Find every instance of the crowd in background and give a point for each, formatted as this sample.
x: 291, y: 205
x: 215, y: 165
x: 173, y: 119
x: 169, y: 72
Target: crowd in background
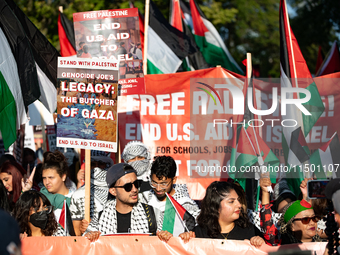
x: 131, y: 197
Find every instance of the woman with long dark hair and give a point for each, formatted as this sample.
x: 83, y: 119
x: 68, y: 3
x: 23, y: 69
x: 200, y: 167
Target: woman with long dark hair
x: 223, y: 216
x: 33, y: 211
x: 10, y: 174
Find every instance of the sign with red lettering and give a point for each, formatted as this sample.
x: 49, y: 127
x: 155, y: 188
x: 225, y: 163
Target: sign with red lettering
x: 113, y: 34
x: 87, y: 104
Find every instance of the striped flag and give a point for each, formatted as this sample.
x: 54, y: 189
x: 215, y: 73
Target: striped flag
x: 167, y: 46
x: 176, y: 220
x: 331, y: 63
x: 325, y: 160
x: 45, y: 58
x: 62, y: 217
x: 12, y: 108
x: 193, y: 61
x: 21, y: 50
x: 65, y: 220
x: 66, y: 36
x: 208, y: 39
x: 295, y: 74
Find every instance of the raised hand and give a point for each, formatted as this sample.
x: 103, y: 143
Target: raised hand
x: 27, y: 183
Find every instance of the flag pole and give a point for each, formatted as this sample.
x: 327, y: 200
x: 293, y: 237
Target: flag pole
x: 146, y: 28
x: 87, y: 183
x: 248, y: 77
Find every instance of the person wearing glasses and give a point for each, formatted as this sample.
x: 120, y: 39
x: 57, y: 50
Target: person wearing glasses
x: 298, y: 223
x: 163, y: 180
x: 123, y: 213
x: 33, y: 212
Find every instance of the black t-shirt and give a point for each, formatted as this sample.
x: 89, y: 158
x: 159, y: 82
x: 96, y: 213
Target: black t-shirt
x: 237, y: 233
x: 123, y: 222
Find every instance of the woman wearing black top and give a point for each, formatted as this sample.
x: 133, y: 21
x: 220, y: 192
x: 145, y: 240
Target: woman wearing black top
x: 224, y: 215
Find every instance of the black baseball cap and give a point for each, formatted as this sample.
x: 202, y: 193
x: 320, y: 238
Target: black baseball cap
x: 115, y: 172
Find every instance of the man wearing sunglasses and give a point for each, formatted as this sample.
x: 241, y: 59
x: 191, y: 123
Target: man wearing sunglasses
x: 123, y: 213
x: 163, y: 180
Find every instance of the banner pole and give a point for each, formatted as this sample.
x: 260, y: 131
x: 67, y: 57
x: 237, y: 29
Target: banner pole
x: 118, y: 156
x: 146, y: 28
x: 87, y: 183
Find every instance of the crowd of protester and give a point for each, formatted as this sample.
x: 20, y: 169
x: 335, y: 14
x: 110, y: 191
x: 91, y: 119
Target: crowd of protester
x: 130, y: 197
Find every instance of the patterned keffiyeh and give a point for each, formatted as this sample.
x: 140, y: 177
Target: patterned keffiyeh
x: 99, y: 194
x: 107, y: 224
x: 134, y: 149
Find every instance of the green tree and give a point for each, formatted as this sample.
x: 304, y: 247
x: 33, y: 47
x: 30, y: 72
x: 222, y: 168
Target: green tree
x: 315, y: 24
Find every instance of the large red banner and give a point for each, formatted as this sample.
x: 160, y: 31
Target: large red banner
x: 164, y: 119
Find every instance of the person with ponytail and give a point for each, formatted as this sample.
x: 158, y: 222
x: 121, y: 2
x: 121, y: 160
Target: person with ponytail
x: 54, y: 174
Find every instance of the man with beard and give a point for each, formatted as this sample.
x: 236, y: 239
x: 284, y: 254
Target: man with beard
x: 163, y: 180
x: 100, y: 162
x: 123, y: 213
x: 137, y: 155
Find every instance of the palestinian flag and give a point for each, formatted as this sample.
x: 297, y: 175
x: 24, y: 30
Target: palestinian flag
x: 21, y: 50
x: 65, y: 220
x: 295, y: 74
x: 45, y: 57
x: 326, y: 160
x: 66, y: 36
x: 251, y: 149
x: 208, y: 39
x: 176, y: 219
x: 319, y: 59
x: 196, y: 60
x: 331, y: 64
x: 167, y: 46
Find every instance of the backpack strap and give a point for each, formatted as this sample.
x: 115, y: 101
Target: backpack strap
x: 150, y: 214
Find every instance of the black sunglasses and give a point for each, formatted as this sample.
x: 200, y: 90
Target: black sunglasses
x: 128, y: 186
x: 306, y: 220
